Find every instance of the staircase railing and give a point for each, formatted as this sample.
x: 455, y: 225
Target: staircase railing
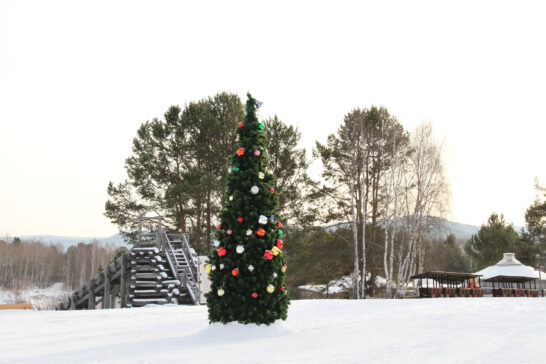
x: 186, y: 274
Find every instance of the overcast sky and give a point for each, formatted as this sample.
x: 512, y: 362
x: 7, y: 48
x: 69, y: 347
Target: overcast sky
x: 78, y: 78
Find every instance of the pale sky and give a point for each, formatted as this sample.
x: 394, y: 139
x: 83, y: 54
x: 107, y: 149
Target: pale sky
x: 78, y: 78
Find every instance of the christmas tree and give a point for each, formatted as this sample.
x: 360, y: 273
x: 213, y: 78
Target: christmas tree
x: 247, y: 266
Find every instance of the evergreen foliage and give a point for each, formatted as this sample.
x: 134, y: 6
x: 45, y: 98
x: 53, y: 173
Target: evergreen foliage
x: 488, y: 245
x: 247, y: 267
x: 317, y: 256
x: 289, y: 165
x: 533, y: 236
x: 176, y: 171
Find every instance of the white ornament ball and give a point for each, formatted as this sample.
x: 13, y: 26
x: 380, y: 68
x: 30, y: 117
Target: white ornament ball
x: 251, y: 267
x: 262, y: 220
x: 221, y: 266
x: 261, y: 175
x: 216, y: 243
x: 274, y: 275
x: 221, y: 292
x: 240, y: 249
x: 254, y: 190
x: 231, y: 198
x: 248, y: 232
x: 213, y: 267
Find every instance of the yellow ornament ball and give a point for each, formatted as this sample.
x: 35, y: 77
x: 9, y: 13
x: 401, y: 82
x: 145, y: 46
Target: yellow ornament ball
x: 208, y: 268
x: 275, y: 251
x: 270, y: 288
x: 221, y: 292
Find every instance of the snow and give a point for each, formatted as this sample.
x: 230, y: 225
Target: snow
x: 456, y: 330
x: 344, y: 284
x: 40, y: 298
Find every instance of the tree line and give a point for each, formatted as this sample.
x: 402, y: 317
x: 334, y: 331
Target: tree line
x: 497, y: 237
x: 26, y: 264
x: 178, y: 168
x: 381, y: 179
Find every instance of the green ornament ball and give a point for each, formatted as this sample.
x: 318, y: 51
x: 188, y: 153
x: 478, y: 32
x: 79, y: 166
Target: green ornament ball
x: 261, y: 126
x: 235, y: 169
x: 279, y: 232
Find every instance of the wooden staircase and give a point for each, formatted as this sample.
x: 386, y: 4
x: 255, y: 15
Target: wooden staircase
x: 165, y: 273
x: 160, y: 269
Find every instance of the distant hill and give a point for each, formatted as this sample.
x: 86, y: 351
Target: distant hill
x: 68, y: 241
x: 442, y: 228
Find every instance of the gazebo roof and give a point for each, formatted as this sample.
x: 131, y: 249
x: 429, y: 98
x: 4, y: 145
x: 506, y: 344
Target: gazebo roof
x: 509, y: 279
x: 509, y: 266
x: 443, y: 277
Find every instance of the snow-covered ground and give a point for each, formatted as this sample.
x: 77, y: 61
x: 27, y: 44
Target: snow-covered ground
x: 41, y: 298
x: 456, y: 330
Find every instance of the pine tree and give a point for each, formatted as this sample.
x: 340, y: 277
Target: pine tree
x: 247, y: 265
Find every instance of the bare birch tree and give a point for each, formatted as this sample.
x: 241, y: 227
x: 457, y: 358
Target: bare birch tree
x: 425, y: 192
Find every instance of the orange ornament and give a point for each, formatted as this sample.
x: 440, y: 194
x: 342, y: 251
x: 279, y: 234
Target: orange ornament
x: 240, y: 151
x: 235, y: 272
x: 260, y: 232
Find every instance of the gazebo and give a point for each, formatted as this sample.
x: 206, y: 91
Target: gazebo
x: 504, y: 286
x: 510, y: 274
x: 448, y: 284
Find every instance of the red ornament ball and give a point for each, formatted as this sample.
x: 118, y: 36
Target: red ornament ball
x: 235, y: 272
x: 268, y: 254
x: 221, y: 252
x: 279, y: 244
x: 271, y: 190
x: 279, y: 224
x: 282, y: 288
x: 260, y: 232
x: 240, y: 220
x: 254, y: 295
x: 218, y: 227
x: 241, y: 124
x: 241, y: 151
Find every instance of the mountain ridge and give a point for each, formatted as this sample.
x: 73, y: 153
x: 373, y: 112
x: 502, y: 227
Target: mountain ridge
x: 445, y: 227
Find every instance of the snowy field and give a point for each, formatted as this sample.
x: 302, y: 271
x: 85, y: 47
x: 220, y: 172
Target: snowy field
x: 40, y: 298
x: 457, y: 330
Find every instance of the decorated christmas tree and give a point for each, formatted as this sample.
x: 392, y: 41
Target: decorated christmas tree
x: 247, y: 266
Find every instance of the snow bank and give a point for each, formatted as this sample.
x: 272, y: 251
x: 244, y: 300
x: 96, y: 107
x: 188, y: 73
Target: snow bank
x: 456, y: 330
x: 40, y: 298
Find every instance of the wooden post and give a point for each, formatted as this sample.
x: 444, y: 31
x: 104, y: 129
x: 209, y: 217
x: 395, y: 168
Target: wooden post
x: 184, y: 278
x: 91, y: 296
x: 73, y: 302
x: 123, y: 280
x: 106, y: 296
